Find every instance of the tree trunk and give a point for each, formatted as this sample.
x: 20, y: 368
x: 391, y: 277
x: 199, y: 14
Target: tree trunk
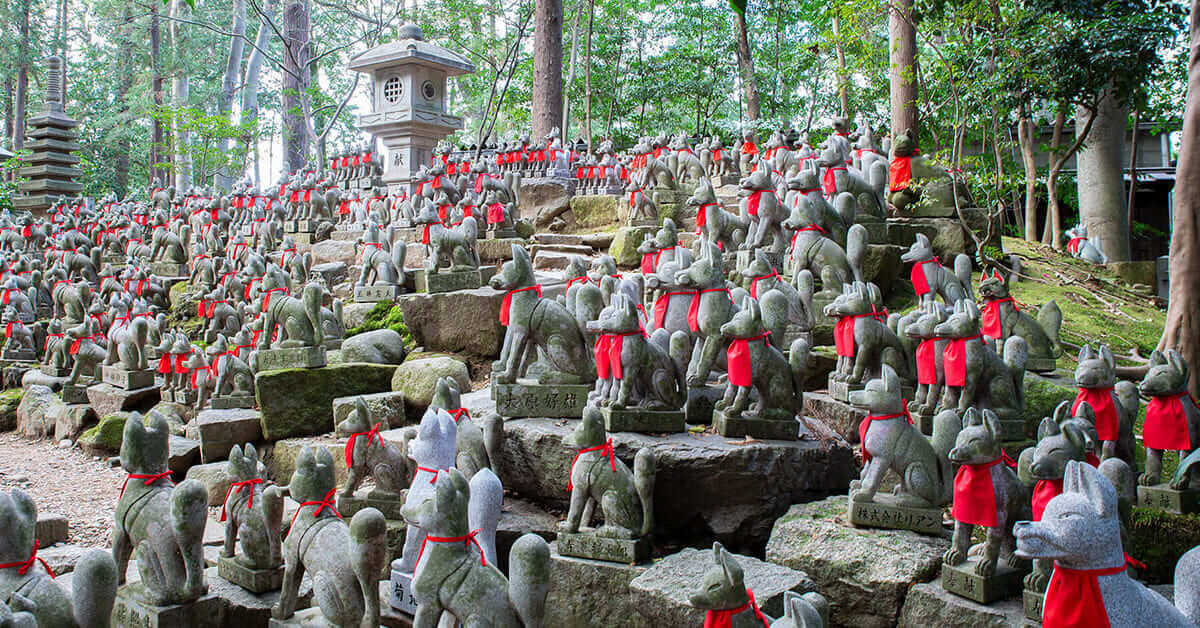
x: 158, y: 139
x: 297, y: 52
x: 566, y: 119
x: 1026, y: 132
x: 547, y: 103
x: 843, y: 76
x: 1182, y: 329
x: 1053, y: 224
x: 125, y: 55
x: 182, y: 93
x: 229, y: 84
x: 22, y: 98
x: 8, y: 108
x: 1101, y: 186
x: 587, y: 76
x: 1133, y: 157
x: 253, y: 76
x: 902, y: 38
x: 746, y: 66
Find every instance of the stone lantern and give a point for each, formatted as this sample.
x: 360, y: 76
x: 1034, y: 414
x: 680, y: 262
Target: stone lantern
x: 408, y: 112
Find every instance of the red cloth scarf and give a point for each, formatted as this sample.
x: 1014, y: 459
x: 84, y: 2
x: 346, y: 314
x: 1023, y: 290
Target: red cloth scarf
x: 504, y: 305
x: 724, y: 618
x: 865, y: 425
x: 843, y: 332
x: 694, y: 310
x: 466, y: 540
x: 990, y: 323
x: 1074, y: 243
x: 975, y: 495
x: 1100, y: 399
x: 749, y: 148
x: 702, y: 215
x: 927, y: 361
x: 607, y: 352
x: 371, y: 433
x: 919, y: 281
x: 150, y: 478
x: 754, y: 282
x: 1043, y: 492
x: 1073, y: 599
x: 24, y: 565
x: 425, y: 234
x: 752, y: 205
x: 954, y: 360
x: 741, y: 371
x: 1166, y: 423
x: 899, y: 174
x: 495, y: 213
x: 267, y: 297
x: 829, y: 180
x: 606, y: 451
x: 75, y: 346
x: 237, y: 487
x: 663, y: 302
x: 8, y: 331
x: 326, y: 502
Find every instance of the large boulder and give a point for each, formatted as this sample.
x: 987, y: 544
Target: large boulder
x: 1044, y: 393
x: 334, y: 251
x: 592, y: 594
x: 280, y: 458
x: 417, y: 380
x: 385, y: 407
x: 624, y: 245
x: 709, y: 487
x: 355, y: 314
x: 598, y: 211
x: 105, y: 438
x: 661, y: 592
x: 299, y: 402
x: 864, y: 573
x: 463, y: 321
x: 10, y: 400
x: 32, y: 421
x: 496, y: 250
x: 182, y: 453
x: 928, y: 605
x: 219, y: 430
x: 332, y: 272
x: 71, y: 420
x: 946, y: 236
x: 544, y: 199
x: 382, y: 346
x: 215, y: 478
x: 107, y: 399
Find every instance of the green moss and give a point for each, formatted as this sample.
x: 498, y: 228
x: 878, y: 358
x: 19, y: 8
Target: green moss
x: 593, y: 212
x: 9, y: 400
x: 1159, y: 538
x: 107, y: 435
x: 1043, y: 395
x: 299, y: 402
x: 385, y: 315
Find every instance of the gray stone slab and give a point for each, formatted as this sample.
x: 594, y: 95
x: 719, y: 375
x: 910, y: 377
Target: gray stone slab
x: 74, y: 393
x: 293, y: 358
x: 592, y: 594
x: 363, y: 498
x: 252, y: 580
x: 445, y: 281
x: 167, y: 269
x: 127, y: 380
x: 645, y: 421
x: 51, y: 528
x: 587, y: 544
x: 130, y: 612
x: 842, y: 417
x: 384, y: 407
x: 963, y: 581
x: 885, y: 513
x: 540, y: 400
x: 769, y: 429
x: 107, y: 399
x: 930, y: 606
x: 231, y: 402
x: 1163, y: 497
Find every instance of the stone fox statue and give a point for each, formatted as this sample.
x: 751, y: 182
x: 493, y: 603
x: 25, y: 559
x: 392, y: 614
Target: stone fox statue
x: 300, y: 317
x: 538, y: 329
x: 1002, y: 319
x: 639, y: 372
x: 727, y: 230
x: 164, y: 524
x: 254, y: 514
x: 599, y: 478
x: 724, y: 595
x: 28, y: 585
x: 1081, y: 531
x: 778, y: 381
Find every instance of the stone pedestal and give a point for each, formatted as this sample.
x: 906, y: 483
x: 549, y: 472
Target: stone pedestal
x: 375, y: 294
x: 529, y: 399
x: 885, y: 513
x: 745, y: 258
x: 445, y: 281
x: 500, y: 234
x: 400, y: 594
x: 840, y: 390
x: 231, y: 402
x: 1033, y: 602
x: 305, y: 618
x: 185, y: 396
x: 253, y: 580
x: 168, y: 269
x: 291, y: 358
x: 924, y: 423
x: 130, y: 612
x: 593, y: 594
x: 1163, y: 497
x: 749, y: 425
x: 645, y: 421
x: 1041, y: 365
x: 74, y: 393
x: 390, y: 507
x: 963, y: 581
x: 587, y: 544
x: 55, y: 372
x: 127, y: 380
x: 19, y: 355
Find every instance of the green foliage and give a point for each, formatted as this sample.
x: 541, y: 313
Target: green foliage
x: 210, y: 134
x: 8, y: 187
x: 385, y: 315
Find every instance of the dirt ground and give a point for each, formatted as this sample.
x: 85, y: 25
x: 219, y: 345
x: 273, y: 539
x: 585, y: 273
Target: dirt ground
x: 66, y: 482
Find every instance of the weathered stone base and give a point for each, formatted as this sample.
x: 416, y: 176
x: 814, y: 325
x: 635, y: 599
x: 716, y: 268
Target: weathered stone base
x: 19, y: 355
x: 587, y: 544
x: 229, y: 402
x: 305, y: 238
x: 592, y: 594
x: 184, y: 396
x: 929, y: 605
x: 307, y: 618
x: 644, y: 421
x: 445, y: 281
x: 400, y: 593
x: 375, y: 294
x: 74, y: 393
x: 963, y: 581
x: 1163, y: 497
x: 55, y: 372
x: 924, y: 423
x: 840, y: 416
x: 885, y: 513
x: 130, y: 612
x: 347, y: 506
x: 840, y: 391
x: 737, y: 427
x: 1041, y: 365
x: 253, y: 580
x: 1033, y: 602
x: 540, y: 400
x: 293, y: 358
x: 127, y: 380
x: 500, y: 234
x: 167, y: 269
x: 745, y: 258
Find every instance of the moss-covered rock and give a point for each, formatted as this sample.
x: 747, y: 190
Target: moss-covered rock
x: 596, y: 211
x: 9, y: 400
x: 1043, y: 394
x: 382, y: 346
x: 105, y: 437
x: 299, y: 402
x: 462, y: 321
x: 624, y: 245
x: 418, y: 378
x: 385, y: 315
x: 1159, y: 538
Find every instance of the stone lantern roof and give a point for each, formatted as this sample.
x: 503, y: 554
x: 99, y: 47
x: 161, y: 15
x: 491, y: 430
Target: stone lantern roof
x: 411, y: 49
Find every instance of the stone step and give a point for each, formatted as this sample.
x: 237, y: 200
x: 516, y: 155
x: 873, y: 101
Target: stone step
x: 572, y: 249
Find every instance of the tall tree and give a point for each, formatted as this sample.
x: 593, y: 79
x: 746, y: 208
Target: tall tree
x: 547, y: 103
x: 1101, y: 185
x: 253, y: 76
x: 1182, y: 329
x: 297, y: 53
x: 233, y: 75
x: 158, y: 141
x: 902, y: 35
x: 180, y: 10
x: 745, y: 60
x: 21, y: 104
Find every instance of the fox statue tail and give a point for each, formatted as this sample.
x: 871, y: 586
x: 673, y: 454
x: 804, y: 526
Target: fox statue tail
x: 93, y: 604
x: 1050, y: 318
x: 798, y: 363
x: 368, y: 532
x: 470, y: 230
x: 483, y: 510
x: 946, y: 426
x: 311, y: 298
x: 1016, y: 354
x: 529, y: 579
x: 962, y: 271
x: 856, y: 249
x: 643, y: 482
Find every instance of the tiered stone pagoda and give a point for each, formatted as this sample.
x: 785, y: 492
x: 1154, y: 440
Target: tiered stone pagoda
x: 409, y: 109
x: 52, y: 172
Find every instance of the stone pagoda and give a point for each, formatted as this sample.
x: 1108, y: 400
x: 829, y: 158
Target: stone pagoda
x: 52, y: 172
x: 409, y: 108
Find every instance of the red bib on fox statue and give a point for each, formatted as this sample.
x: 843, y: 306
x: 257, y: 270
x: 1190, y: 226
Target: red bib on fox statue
x: 927, y: 362
x: 954, y: 360
x: 741, y: 371
x: 1073, y: 598
x: 724, y: 618
x: 920, y: 283
x: 974, y: 493
x: 1100, y: 399
x: 1166, y: 424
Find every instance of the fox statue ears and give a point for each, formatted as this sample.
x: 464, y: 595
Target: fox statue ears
x: 983, y: 277
x: 1086, y: 480
x: 732, y: 570
x: 891, y: 381
x: 751, y: 305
